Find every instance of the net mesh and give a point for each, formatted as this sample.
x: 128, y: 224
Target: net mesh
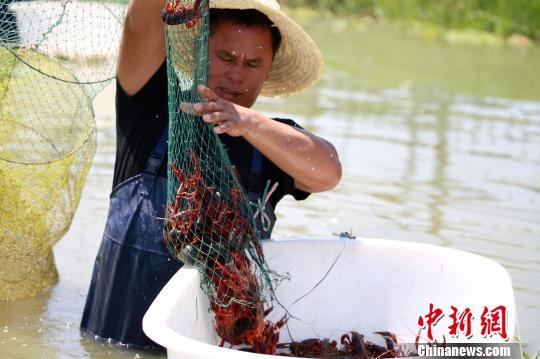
x: 55, y: 56
x: 209, y: 223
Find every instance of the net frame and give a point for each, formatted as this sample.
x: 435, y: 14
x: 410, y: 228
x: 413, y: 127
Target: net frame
x: 55, y: 57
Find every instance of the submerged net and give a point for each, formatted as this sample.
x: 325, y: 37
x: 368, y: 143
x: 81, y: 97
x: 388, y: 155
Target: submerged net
x: 209, y: 223
x: 55, y: 56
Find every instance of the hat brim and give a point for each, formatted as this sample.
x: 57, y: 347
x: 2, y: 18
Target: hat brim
x: 298, y: 63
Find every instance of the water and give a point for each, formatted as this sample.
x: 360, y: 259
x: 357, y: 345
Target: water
x: 439, y: 143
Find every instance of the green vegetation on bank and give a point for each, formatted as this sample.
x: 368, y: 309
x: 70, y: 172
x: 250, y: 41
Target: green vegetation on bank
x: 500, y: 17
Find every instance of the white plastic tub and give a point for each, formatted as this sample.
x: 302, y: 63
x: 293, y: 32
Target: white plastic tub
x: 374, y: 285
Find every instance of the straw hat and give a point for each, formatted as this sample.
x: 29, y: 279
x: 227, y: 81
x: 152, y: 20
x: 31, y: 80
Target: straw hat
x: 298, y: 63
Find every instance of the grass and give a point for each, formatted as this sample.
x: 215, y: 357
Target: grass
x: 500, y: 17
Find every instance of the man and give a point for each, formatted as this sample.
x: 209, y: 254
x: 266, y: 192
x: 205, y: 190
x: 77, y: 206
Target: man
x: 253, y: 50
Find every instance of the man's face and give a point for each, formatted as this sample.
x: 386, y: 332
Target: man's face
x: 240, y: 59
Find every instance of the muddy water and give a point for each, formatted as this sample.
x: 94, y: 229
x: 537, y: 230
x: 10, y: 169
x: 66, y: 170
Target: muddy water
x: 439, y: 143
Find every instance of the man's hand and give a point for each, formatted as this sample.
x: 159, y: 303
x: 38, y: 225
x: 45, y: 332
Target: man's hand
x: 228, y: 117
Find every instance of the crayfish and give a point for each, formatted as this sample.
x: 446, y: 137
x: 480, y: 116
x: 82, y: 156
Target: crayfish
x: 176, y: 13
x: 211, y: 230
x: 353, y: 345
x: 242, y: 319
x: 203, y: 218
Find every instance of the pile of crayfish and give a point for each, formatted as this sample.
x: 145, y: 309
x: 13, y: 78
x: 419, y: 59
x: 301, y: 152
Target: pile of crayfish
x: 212, y: 231
x: 353, y: 345
x: 176, y: 13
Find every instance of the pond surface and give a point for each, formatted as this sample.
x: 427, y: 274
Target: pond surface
x: 440, y: 144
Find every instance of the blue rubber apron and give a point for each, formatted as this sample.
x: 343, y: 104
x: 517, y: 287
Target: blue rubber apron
x: 133, y: 263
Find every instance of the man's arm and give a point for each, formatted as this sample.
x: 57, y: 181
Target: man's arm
x: 312, y: 161
x: 142, y: 46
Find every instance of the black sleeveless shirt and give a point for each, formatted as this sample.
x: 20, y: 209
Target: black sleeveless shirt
x: 140, y: 120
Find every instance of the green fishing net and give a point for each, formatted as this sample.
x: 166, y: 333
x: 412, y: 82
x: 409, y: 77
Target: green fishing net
x: 55, y: 56
x: 209, y: 223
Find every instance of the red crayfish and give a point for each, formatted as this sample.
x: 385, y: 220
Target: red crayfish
x: 241, y: 319
x: 353, y: 345
x: 176, y: 13
x: 201, y: 216
x: 212, y: 230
